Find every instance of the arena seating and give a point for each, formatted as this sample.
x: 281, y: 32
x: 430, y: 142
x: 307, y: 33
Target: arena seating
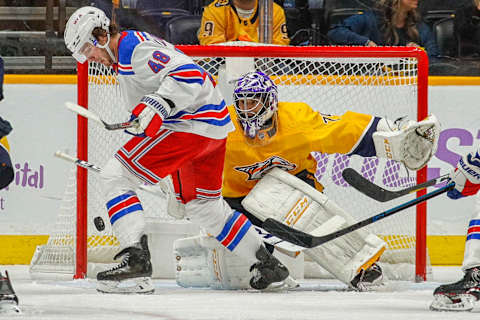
x: 432, y: 16
x: 337, y: 10
x: 445, y: 37
x: 35, y: 28
x: 183, y: 29
x: 155, y: 20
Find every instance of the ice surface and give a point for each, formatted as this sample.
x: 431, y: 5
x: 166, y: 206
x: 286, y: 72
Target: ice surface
x: 316, y: 299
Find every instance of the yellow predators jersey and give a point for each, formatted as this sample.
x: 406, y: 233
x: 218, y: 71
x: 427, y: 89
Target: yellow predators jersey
x: 4, y: 143
x: 221, y: 23
x: 300, y: 131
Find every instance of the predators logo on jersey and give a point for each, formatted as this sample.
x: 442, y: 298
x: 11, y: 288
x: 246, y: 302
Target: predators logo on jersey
x: 257, y: 170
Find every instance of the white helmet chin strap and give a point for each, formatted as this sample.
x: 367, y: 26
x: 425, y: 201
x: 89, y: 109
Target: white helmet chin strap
x: 106, y: 47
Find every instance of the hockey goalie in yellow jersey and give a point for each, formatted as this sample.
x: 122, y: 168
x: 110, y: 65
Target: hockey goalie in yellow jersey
x: 269, y: 167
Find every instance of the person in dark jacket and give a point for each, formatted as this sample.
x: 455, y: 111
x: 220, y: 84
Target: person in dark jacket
x: 390, y: 23
x: 467, y: 28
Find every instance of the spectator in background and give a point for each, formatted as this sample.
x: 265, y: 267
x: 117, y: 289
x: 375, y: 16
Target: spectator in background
x: 467, y: 28
x: 390, y: 23
x: 237, y: 20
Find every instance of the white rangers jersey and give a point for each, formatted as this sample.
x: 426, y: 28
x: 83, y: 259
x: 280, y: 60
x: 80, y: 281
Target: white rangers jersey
x: 149, y: 66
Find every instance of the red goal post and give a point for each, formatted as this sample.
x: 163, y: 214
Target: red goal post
x: 302, y: 73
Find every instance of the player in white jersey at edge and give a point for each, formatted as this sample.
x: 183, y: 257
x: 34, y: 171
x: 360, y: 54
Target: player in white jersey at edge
x: 462, y: 295
x: 183, y: 125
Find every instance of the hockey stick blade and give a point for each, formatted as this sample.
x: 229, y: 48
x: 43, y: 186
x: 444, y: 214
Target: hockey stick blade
x: 306, y: 240
x: 93, y: 116
x: 380, y: 194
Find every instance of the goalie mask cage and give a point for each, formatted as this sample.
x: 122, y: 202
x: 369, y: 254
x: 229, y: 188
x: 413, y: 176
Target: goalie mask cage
x: 384, y: 81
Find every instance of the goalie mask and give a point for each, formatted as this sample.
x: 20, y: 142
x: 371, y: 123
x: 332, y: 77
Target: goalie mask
x: 78, y: 32
x: 256, y: 102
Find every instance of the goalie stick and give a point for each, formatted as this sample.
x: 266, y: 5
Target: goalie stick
x: 95, y: 117
x: 306, y: 240
x: 285, y: 247
x: 380, y: 194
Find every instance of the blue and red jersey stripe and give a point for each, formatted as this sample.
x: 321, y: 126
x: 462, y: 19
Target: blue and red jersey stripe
x: 234, y: 230
x: 123, y: 205
x: 474, y: 230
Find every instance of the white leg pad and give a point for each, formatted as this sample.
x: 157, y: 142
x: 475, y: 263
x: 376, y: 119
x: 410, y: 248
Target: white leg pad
x: 203, y: 262
x: 284, y: 197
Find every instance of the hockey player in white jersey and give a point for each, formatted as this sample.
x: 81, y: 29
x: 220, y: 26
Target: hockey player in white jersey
x: 182, y: 127
x: 462, y: 295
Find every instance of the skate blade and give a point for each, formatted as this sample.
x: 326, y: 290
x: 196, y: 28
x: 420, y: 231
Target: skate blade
x: 368, y: 286
x: 9, y: 307
x: 129, y: 286
x: 287, y: 284
x: 444, y: 303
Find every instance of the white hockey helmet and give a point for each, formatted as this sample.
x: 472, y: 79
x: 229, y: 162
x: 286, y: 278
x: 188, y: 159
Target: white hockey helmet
x: 256, y: 102
x: 78, y: 30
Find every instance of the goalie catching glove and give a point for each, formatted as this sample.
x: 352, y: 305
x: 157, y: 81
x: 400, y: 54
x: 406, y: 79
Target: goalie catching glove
x: 412, y: 143
x: 466, y: 176
x: 150, y: 112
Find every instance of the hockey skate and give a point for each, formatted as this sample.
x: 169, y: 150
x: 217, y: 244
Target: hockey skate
x: 458, y: 296
x: 132, y: 275
x: 267, y: 270
x: 8, y: 298
x: 368, y: 279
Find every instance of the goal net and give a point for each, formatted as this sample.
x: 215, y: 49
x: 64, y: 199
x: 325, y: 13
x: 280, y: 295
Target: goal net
x: 388, y: 82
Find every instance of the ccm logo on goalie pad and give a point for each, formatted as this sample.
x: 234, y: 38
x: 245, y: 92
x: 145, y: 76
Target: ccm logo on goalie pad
x: 297, y: 211
x: 388, y: 148
x: 257, y: 170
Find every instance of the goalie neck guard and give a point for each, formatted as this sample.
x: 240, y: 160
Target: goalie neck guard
x: 256, y: 103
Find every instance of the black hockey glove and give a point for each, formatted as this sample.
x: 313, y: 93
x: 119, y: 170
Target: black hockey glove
x: 5, y: 127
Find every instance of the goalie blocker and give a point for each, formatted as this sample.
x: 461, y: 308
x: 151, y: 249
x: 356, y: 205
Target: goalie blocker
x: 282, y: 196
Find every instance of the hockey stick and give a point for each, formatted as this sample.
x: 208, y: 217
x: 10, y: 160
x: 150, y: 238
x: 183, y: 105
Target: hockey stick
x: 378, y: 193
x: 306, y: 240
x: 78, y: 162
x: 85, y: 164
x: 95, y: 117
x: 285, y: 247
